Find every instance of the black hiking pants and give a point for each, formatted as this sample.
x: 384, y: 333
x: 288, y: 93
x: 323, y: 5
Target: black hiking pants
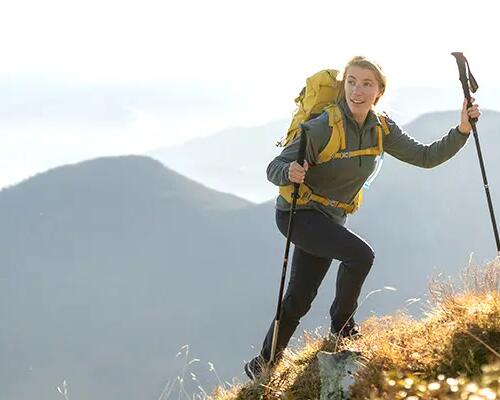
x: 318, y: 240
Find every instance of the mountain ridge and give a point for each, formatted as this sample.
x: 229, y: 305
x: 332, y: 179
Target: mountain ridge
x: 105, y: 170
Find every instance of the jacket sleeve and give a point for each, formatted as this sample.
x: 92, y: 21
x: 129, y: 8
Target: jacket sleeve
x: 317, y: 134
x: 406, y: 148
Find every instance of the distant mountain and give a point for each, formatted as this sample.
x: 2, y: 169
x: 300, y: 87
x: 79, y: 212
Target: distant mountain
x: 233, y: 160
x: 107, y: 268
x: 111, y: 265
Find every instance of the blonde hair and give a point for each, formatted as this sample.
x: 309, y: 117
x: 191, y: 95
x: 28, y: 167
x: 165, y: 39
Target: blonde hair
x: 363, y: 62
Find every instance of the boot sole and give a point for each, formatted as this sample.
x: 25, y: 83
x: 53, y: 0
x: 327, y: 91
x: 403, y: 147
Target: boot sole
x: 249, y: 373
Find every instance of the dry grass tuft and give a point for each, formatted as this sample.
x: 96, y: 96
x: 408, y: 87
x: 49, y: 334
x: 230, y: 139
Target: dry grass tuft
x: 454, y: 352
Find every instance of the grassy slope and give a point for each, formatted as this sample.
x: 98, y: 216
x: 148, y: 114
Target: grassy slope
x: 452, y: 353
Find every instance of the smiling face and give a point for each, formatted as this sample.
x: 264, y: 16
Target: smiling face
x: 361, y: 91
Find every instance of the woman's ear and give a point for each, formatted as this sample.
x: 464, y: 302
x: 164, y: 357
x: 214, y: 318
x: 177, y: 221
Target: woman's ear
x: 378, y: 98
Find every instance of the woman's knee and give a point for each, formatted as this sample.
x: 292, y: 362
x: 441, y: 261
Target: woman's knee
x: 362, y: 248
x: 369, y: 256
x: 297, y: 305
x: 365, y: 257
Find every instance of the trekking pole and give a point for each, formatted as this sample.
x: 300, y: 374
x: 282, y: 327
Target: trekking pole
x: 300, y: 160
x: 469, y: 84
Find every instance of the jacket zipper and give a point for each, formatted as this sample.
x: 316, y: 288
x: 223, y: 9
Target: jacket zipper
x: 359, y: 148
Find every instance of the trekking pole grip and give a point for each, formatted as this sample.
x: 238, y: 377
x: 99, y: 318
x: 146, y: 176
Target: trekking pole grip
x: 467, y: 80
x: 301, y: 156
x: 302, y: 144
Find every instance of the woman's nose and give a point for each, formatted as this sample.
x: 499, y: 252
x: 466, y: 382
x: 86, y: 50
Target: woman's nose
x: 357, y: 88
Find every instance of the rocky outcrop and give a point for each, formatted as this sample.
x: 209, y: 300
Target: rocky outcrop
x: 337, y: 373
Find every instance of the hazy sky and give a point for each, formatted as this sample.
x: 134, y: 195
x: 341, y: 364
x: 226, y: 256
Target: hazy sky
x: 212, y: 63
x: 149, y: 41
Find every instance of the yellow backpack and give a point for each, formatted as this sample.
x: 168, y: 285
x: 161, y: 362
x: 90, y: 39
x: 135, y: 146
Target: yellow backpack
x: 321, y: 93
x: 322, y: 88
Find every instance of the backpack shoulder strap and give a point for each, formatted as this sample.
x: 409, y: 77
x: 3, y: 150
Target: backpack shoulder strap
x: 383, y: 121
x: 337, y: 137
x: 382, y: 131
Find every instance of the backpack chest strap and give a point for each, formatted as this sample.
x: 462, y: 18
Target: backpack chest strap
x: 372, y: 151
x: 337, y: 142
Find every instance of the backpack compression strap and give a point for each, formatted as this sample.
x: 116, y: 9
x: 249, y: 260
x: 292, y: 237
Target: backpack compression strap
x: 306, y: 195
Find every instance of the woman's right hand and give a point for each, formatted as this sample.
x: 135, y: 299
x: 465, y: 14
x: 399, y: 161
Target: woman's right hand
x: 297, y: 173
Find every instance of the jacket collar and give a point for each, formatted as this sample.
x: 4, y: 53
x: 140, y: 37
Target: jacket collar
x: 372, y: 119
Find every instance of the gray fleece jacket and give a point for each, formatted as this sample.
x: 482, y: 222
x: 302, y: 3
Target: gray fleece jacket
x: 341, y: 179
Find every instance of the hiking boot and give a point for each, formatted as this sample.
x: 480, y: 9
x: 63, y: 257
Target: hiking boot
x: 350, y: 330
x: 254, y: 367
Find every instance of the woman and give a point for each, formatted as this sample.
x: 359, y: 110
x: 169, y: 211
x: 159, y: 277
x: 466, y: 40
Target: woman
x: 319, y: 234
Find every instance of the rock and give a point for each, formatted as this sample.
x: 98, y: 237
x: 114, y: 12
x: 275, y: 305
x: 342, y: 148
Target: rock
x: 337, y: 373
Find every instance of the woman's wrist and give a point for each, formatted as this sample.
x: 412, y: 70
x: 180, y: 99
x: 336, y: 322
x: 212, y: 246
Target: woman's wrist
x: 463, y: 130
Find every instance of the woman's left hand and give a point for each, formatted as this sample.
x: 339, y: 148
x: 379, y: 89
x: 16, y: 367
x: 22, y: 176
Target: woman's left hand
x: 468, y: 113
